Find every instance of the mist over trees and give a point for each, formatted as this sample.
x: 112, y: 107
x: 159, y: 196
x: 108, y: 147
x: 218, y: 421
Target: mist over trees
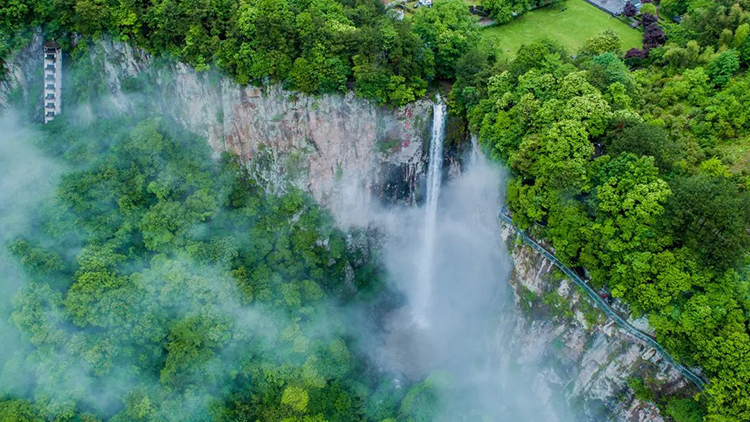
x: 159, y: 284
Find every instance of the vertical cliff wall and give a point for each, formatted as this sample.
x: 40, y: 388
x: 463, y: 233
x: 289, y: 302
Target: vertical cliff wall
x: 581, y: 350
x: 338, y: 147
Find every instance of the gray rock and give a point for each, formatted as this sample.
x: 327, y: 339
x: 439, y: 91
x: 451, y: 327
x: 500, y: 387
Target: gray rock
x: 339, y: 148
x: 594, y: 362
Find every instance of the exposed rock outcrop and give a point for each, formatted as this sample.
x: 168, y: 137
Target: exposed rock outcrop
x: 23, y: 69
x: 580, y: 349
x: 340, y: 148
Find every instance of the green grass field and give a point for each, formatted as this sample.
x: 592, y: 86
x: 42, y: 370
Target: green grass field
x: 569, y: 27
x: 736, y: 154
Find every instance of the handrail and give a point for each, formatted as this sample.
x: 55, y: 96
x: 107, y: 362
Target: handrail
x: 694, y: 378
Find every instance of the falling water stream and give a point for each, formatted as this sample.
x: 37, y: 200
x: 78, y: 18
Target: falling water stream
x: 434, y: 176
x: 448, y: 257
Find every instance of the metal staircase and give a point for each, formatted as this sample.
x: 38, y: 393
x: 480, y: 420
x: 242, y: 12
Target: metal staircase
x: 52, y: 80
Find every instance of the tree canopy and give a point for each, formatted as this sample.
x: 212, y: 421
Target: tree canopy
x: 177, y: 289
x: 318, y: 46
x: 623, y: 171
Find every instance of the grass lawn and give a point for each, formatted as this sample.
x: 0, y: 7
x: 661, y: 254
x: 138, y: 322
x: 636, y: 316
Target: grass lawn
x: 569, y: 27
x: 410, y: 10
x: 736, y: 154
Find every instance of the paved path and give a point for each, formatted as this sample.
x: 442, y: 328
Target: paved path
x: 694, y: 378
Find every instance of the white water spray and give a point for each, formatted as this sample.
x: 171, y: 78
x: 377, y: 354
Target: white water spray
x: 476, y: 151
x: 434, y: 176
x: 449, y: 259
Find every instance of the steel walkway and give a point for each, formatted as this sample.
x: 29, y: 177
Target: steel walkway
x: 622, y: 323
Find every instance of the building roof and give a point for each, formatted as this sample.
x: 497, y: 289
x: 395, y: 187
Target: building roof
x: 612, y: 6
x: 51, y: 44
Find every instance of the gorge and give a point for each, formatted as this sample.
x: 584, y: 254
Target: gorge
x: 469, y: 324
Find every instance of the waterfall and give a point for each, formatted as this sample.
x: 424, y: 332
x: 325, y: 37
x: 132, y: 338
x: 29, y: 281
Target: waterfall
x: 449, y: 259
x: 434, y: 176
x: 476, y: 151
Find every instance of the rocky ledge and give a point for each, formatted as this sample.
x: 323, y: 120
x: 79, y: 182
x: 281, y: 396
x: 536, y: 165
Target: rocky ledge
x: 599, y: 365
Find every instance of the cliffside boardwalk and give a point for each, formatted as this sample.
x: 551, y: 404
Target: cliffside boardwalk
x: 694, y: 378
x: 52, y: 80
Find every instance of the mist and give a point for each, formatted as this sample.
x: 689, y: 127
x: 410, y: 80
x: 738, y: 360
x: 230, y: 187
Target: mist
x: 74, y: 347
x: 27, y: 179
x: 452, y: 327
x: 464, y: 342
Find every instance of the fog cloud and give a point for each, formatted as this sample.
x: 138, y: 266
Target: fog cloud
x: 468, y: 336
x: 27, y: 179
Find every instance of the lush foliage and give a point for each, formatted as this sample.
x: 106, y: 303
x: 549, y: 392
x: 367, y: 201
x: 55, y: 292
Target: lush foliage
x: 312, y: 46
x: 623, y: 171
x: 162, y: 285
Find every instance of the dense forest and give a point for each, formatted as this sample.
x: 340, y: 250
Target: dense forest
x: 176, y: 288
x: 319, y: 46
x: 632, y: 164
x: 627, y: 164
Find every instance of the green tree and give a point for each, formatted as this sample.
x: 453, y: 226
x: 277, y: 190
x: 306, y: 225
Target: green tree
x: 19, y: 411
x: 371, y: 82
x: 673, y: 7
x: 710, y: 215
x: 605, y: 42
x: 684, y: 410
x: 721, y: 69
x: 624, y: 237
x: 648, y: 9
x: 268, y: 39
x: 645, y: 139
x: 559, y: 157
x: 505, y: 10
x: 449, y: 31
x: 296, y: 398
x: 304, y: 75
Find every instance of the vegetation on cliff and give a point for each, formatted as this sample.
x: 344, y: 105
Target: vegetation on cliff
x: 634, y: 164
x: 319, y: 46
x: 628, y: 173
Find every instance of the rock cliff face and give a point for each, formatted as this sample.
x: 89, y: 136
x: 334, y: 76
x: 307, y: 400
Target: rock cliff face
x: 338, y: 147
x: 580, y: 350
x: 342, y: 149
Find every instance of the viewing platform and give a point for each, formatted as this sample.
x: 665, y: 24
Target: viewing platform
x: 52, y: 80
